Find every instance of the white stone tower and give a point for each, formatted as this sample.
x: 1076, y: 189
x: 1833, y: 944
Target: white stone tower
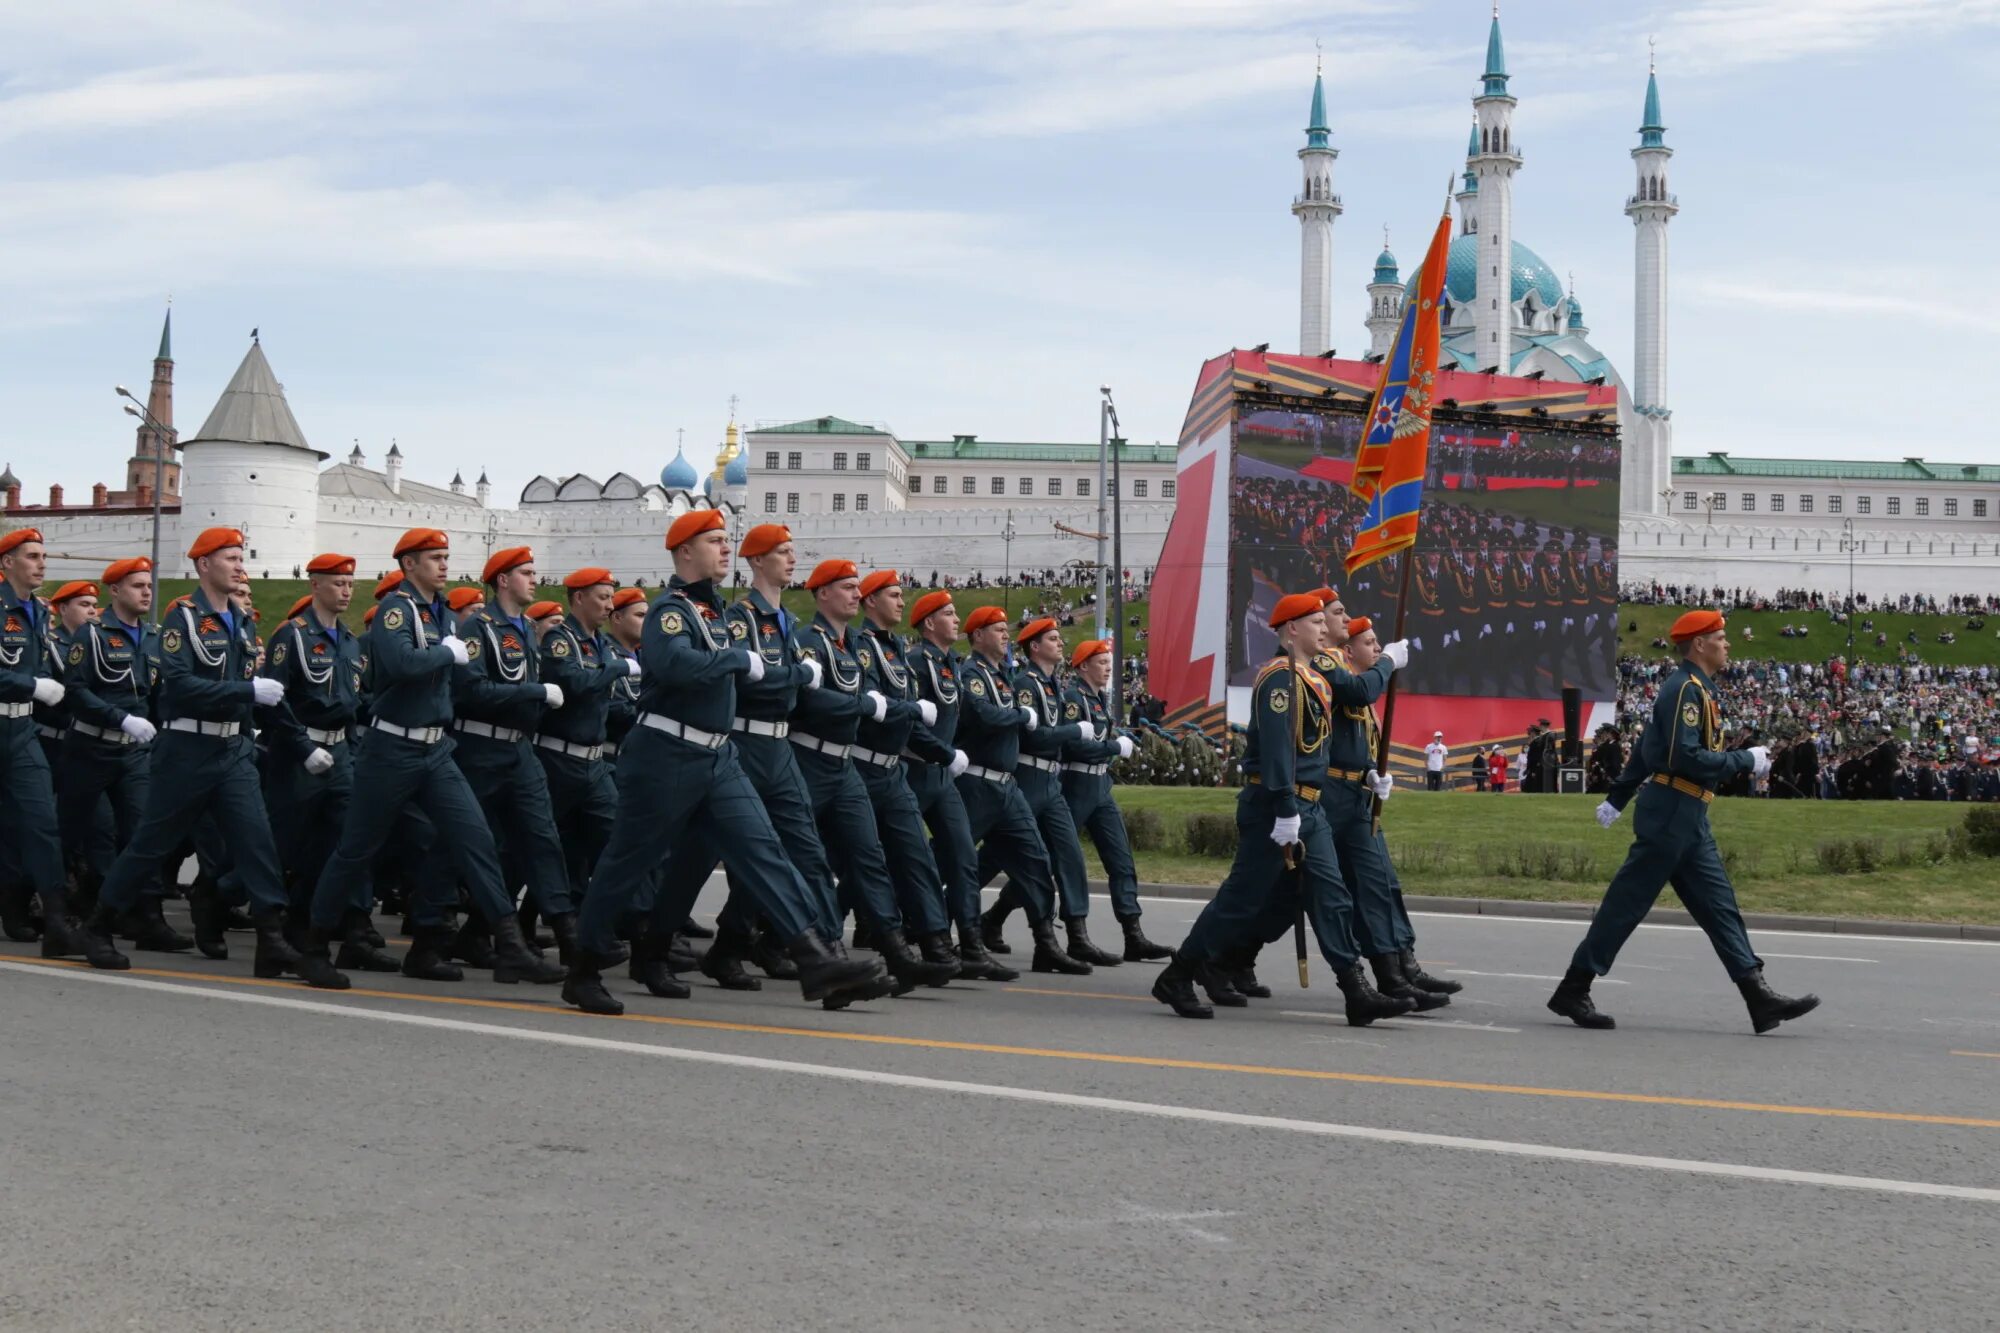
x: 249, y: 467
x: 1468, y: 190
x: 1385, y: 302
x: 1316, y: 208
x: 1494, y: 166
x: 1651, y: 207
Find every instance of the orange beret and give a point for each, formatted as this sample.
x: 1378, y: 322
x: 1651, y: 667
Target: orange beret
x: 1694, y: 623
x: 627, y: 596
x: 831, y: 571
x: 121, y: 569
x: 504, y: 559
x: 390, y: 582
x: 421, y: 539
x: 984, y: 616
x: 588, y: 577
x: 1088, y: 649
x: 212, y: 540
x: 1035, y: 628
x: 330, y: 564
x: 17, y: 537
x: 692, y: 524
x: 299, y: 606
x: 1359, y: 626
x: 1293, y: 606
x: 368, y: 616
x: 1327, y: 596
x: 543, y: 610
x: 763, y: 539
x: 80, y: 588
x: 459, y: 599
x: 929, y: 602
x: 878, y: 580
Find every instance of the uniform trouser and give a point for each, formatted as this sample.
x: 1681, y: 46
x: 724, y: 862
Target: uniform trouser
x: 1093, y: 811
x: 31, y: 852
x: 957, y: 857
x: 1433, y: 780
x: 94, y: 774
x: 772, y: 764
x: 98, y: 842
x: 392, y: 772
x: 216, y: 775
x: 583, y: 798
x: 1672, y: 844
x: 307, y: 813
x: 853, y: 844
x: 1363, y: 859
x: 1256, y: 903
x: 513, y: 791
x: 1044, y: 797
x: 912, y: 868
x: 1004, y: 828
x: 667, y: 787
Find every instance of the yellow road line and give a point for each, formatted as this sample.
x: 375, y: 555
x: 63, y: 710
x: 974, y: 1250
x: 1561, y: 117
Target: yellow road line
x: 1983, y: 1055
x: 1087, y: 1057
x: 1079, y: 994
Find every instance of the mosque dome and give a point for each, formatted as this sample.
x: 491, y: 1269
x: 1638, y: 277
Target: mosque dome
x: 1385, y: 266
x: 1531, y: 274
x: 679, y: 475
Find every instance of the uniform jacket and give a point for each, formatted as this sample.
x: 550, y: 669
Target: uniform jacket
x: 409, y: 670
x: 588, y: 668
x: 1291, y: 714
x: 887, y: 668
x: 691, y: 663
x: 206, y: 662
x: 108, y: 673
x: 990, y: 724
x: 833, y: 712
x: 755, y: 623
x: 321, y: 672
x: 1043, y: 693
x: 501, y: 681
x: 27, y: 645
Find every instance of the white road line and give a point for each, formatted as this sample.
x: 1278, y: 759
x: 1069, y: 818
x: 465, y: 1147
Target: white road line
x: 1002, y: 1092
x: 1579, y: 923
x: 1820, y: 958
x: 1531, y: 976
x: 1406, y: 1021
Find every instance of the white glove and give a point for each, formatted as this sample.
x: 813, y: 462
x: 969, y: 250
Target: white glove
x: 49, y: 691
x: 319, y: 761
x: 927, y: 711
x: 138, y: 728
x: 631, y: 666
x: 1382, y: 783
x: 812, y: 665
x: 1397, y: 654
x: 1125, y: 747
x: 1033, y: 719
x: 1607, y: 814
x: 1285, y: 831
x: 1087, y: 731
x: 266, y: 691
x: 555, y: 695
x: 456, y: 647
x: 756, y: 665
x: 1762, y: 754
x: 960, y: 761
x: 881, y: 704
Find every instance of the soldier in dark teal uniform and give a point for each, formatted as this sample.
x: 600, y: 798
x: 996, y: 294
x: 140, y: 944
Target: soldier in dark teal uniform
x: 990, y: 726
x: 94, y: 827
x: 1284, y: 766
x: 1038, y: 777
x: 937, y: 671
x: 580, y: 658
x: 1674, y: 771
x: 31, y: 860
x: 1086, y: 784
x: 680, y: 784
x: 627, y: 623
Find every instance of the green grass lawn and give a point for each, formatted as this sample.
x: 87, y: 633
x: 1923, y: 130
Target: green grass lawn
x: 1826, y: 638
x: 1549, y: 848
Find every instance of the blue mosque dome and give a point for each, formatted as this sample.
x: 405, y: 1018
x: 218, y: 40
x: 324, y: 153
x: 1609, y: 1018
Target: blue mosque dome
x: 1461, y: 275
x: 1385, y: 266
x: 679, y: 475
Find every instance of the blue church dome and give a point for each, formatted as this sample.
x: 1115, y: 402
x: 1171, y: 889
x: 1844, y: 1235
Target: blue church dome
x: 736, y: 472
x: 679, y: 475
x: 1461, y: 275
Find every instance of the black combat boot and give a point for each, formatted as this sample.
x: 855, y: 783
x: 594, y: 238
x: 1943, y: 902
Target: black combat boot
x: 150, y: 931
x: 356, y: 952
x: 723, y: 963
x: 359, y: 920
x: 1423, y: 980
x: 1080, y: 947
x: 908, y: 967
x: 205, y: 909
x: 937, y: 951
x: 531, y: 919
x: 864, y: 937
x: 694, y: 930
x: 1139, y: 949
x: 769, y: 956
x: 562, y: 926
x: 990, y: 923
x: 275, y: 954
x: 472, y: 945
x: 316, y: 968
x: 583, y: 985
x: 1174, y: 988
x: 429, y: 958
x: 1365, y: 1004
x: 1572, y: 1000
x: 680, y: 955
x: 975, y: 964
x: 63, y: 936
x: 822, y: 972
x: 1049, y: 955
x: 514, y: 961
x: 1238, y: 969
x: 16, y: 922
x: 650, y: 969
x: 1767, y: 1007
x: 1214, y: 978
x: 1390, y: 980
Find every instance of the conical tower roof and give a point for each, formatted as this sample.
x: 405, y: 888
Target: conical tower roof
x: 252, y: 410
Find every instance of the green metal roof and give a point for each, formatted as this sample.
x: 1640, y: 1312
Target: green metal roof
x: 1496, y: 62
x: 1834, y: 469
x: 1317, y: 131
x: 969, y: 448
x: 820, y: 426
x: 1652, y: 134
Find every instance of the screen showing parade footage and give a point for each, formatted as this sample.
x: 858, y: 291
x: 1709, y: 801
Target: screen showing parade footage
x: 1515, y: 590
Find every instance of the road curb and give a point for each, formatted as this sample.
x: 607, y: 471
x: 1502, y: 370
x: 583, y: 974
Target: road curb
x: 1673, y: 916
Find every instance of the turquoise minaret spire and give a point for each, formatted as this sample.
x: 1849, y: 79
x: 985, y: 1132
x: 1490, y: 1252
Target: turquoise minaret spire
x: 1496, y: 58
x: 1317, y: 131
x: 1652, y: 134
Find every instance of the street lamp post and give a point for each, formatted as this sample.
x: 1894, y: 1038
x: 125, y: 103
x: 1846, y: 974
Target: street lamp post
x: 1117, y: 446
x: 1712, y: 501
x: 1103, y: 454
x: 1847, y: 545
x: 132, y: 409
x: 1667, y: 498
x: 1007, y: 567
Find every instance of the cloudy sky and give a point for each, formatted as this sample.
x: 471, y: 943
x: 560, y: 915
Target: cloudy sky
x: 546, y: 235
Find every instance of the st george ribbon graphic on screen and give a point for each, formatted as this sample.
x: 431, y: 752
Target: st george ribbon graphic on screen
x: 1515, y: 593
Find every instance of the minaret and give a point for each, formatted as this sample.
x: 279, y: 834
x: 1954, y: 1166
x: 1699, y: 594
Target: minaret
x: 160, y: 406
x: 1574, y: 323
x: 1494, y: 166
x: 1385, y: 302
x: 1316, y: 208
x: 1468, y: 192
x: 1651, y: 207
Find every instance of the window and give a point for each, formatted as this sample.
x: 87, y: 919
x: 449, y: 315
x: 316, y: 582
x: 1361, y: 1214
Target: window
x: 1749, y: 503
x: 839, y: 460
x: 937, y: 486
x: 794, y: 461
x: 916, y: 485
x: 968, y: 486
x: 1805, y: 504
x: 861, y: 462
x: 771, y: 461
x: 1083, y: 488
x: 1055, y: 485
x: 1923, y: 506
x: 792, y: 502
x: 1138, y: 490
x: 1863, y: 504
x: 1167, y: 490
x: 1979, y: 509
x: 1895, y: 504
x: 860, y: 504
x: 1027, y: 486
x: 1721, y: 501
x: 1690, y: 500
x: 1777, y: 503
x: 1951, y: 508
x: 770, y: 502
x: 998, y: 486
x: 839, y: 503
x: 1833, y: 504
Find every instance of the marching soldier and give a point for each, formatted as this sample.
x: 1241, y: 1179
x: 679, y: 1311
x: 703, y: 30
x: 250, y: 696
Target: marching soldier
x: 581, y: 660
x: 1674, y: 771
x: 90, y: 843
x: 1086, y: 784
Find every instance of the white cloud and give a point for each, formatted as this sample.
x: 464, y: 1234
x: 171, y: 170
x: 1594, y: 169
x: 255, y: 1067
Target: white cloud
x: 1713, y: 35
x: 1738, y: 293
x: 148, y: 97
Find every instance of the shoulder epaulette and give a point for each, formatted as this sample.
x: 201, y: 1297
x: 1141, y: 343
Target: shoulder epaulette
x: 1275, y: 664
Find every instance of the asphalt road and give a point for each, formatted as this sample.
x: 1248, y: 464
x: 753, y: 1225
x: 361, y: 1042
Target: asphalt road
x: 190, y: 1148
